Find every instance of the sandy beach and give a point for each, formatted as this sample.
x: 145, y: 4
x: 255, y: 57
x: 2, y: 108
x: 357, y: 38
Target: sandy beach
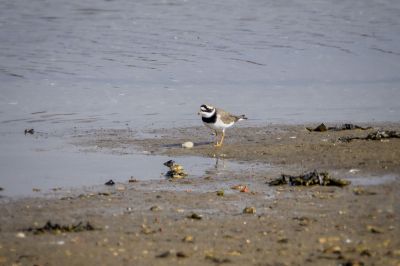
x: 190, y: 221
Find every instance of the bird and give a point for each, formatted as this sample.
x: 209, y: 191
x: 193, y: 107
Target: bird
x: 218, y: 120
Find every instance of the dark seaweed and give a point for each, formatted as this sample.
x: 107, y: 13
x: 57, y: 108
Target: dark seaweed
x: 323, y: 128
x: 50, y: 227
x: 309, y: 179
x: 377, y: 135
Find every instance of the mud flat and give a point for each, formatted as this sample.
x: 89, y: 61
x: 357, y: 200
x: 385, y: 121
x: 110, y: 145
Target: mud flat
x: 191, y: 222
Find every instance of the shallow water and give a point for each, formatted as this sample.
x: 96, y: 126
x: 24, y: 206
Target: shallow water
x: 150, y: 64
x: 46, y: 162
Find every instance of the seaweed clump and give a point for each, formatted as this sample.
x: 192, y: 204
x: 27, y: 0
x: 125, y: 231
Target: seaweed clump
x: 309, y: 179
x: 323, y: 128
x: 377, y: 135
x: 50, y: 227
x: 175, y: 170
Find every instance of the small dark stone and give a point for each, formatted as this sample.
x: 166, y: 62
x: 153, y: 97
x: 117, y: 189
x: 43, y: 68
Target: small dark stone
x: 169, y: 163
x: 195, y: 216
x: 164, y: 254
x: 29, y: 131
x: 180, y: 254
x: 110, y: 183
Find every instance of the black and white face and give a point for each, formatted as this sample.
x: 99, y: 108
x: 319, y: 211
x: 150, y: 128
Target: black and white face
x: 206, y: 110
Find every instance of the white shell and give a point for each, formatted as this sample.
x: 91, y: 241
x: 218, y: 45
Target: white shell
x: 188, y: 145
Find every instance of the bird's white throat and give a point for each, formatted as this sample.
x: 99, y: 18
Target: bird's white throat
x: 207, y: 114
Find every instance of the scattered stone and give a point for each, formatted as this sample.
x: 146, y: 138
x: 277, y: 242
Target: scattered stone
x: 213, y: 258
x: 132, y: 180
x: 374, y: 229
x: 220, y: 193
x: 164, y: 254
x: 36, y: 189
x: 20, y: 235
x: 303, y: 221
x: 188, y: 239
x: 241, y: 188
x: 323, y: 128
x: 353, y: 171
x: 366, y: 252
x: 283, y: 241
x: 155, y: 208
x: 249, y: 210
x: 147, y: 231
x: 175, y: 170
x: 351, y: 263
x: 195, y: 216
x: 333, y: 250
x: 361, y: 191
x: 110, y: 183
x: 49, y: 227
x: 309, y: 179
x: 169, y: 163
x: 181, y: 254
x: 29, y: 131
x: 188, y: 145
x: 323, y: 240
x: 234, y: 253
x: 245, y: 189
x: 104, y: 194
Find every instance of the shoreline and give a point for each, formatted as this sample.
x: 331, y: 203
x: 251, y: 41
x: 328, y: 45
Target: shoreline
x: 151, y: 222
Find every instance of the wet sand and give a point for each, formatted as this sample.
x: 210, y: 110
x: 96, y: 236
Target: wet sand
x: 146, y: 222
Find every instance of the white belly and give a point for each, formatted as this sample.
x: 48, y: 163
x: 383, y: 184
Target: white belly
x: 218, y: 125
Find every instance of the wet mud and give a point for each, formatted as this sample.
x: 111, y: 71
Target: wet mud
x: 190, y: 221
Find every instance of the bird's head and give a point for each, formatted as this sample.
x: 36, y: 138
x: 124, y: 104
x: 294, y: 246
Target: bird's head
x: 206, y: 110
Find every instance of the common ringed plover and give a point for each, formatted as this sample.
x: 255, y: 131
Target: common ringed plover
x: 218, y: 120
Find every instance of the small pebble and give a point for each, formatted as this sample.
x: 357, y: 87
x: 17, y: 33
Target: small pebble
x: 110, y: 183
x: 220, y: 193
x: 187, y: 145
x: 353, y: 171
x: 188, y: 239
x: 249, y: 210
x: 155, y: 208
x: 21, y: 235
x: 195, y: 216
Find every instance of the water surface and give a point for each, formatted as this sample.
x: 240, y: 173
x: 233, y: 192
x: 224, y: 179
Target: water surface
x: 151, y: 63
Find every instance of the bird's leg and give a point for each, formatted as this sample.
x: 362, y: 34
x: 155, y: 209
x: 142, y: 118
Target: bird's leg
x: 216, y: 138
x: 221, y: 141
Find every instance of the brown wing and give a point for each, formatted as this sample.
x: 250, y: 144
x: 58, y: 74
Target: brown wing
x: 228, y: 118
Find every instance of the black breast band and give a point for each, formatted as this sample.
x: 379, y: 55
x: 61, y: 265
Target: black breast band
x: 210, y: 119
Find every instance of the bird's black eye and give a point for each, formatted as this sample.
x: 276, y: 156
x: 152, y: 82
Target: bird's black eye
x: 206, y: 108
